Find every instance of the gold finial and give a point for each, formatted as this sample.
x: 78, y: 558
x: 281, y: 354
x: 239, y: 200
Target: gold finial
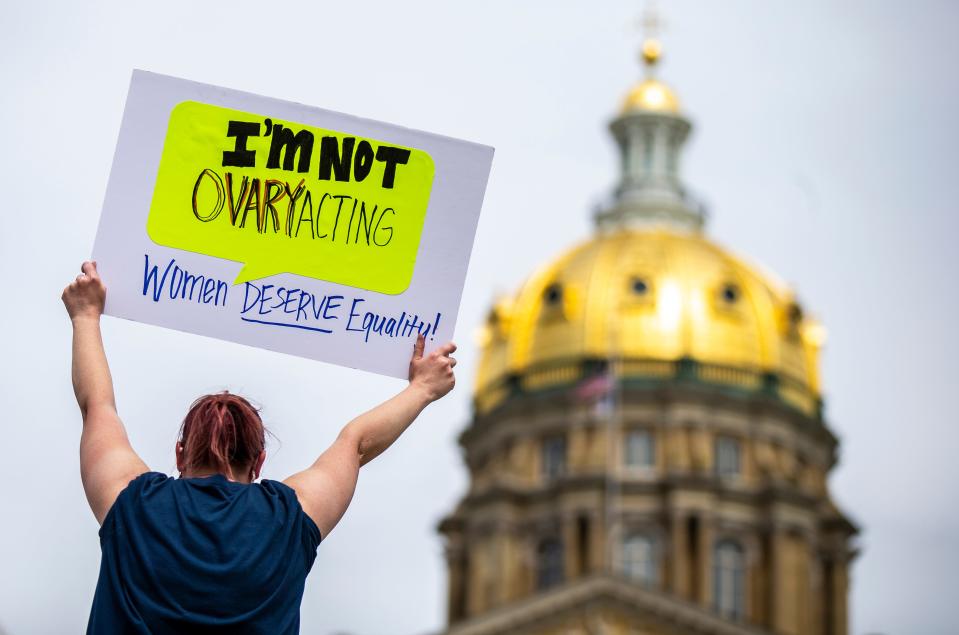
x: 652, y: 24
x: 652, y: 50
x: 650, y: 94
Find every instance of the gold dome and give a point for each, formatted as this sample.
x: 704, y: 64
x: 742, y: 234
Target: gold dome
x: 651, y: 95
x: 650, y: 298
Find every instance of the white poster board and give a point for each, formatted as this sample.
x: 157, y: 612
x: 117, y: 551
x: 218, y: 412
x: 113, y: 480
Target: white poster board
x: 286, y: 227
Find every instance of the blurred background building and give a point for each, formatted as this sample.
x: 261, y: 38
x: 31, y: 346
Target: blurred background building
x: 648, y: 452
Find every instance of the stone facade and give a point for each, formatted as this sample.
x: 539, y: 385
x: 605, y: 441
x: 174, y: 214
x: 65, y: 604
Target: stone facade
x: 770, y: 502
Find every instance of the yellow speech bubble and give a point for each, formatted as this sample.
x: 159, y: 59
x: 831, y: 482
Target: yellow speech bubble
x: 283, y: 197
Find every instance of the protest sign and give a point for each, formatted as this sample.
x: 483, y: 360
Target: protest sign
x: 286, y: 227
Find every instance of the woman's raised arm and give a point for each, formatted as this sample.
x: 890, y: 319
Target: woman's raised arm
x: 326, y: 487
x: 107, y: 461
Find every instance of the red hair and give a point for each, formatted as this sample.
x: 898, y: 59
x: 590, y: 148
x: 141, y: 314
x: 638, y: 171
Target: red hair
x: 222, y: 431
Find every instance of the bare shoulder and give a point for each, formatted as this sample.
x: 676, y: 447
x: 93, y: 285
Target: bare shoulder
x: 326, y: 488
x: 107, y: 461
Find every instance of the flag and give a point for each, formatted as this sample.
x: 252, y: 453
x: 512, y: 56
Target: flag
x: 599, y: 390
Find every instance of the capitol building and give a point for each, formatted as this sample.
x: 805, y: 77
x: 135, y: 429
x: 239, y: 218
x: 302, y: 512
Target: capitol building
x: 648, y: 453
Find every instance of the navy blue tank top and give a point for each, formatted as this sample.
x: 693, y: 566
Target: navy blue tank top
x: 202, y: 555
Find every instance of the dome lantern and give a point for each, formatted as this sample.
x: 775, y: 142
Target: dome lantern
x: 650, y: 132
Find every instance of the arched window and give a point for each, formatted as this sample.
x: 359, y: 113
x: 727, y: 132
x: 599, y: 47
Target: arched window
x: 549, y: 563
x: 640, y: 559
x: 553, y: 457
x: 639, y: 449
x: 728, y: 457
x: 729, y: 579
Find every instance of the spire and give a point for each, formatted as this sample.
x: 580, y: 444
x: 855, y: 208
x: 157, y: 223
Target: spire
x: 650, y: 131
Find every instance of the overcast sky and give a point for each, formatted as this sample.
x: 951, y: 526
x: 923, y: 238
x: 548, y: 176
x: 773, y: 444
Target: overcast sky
x: 825, y: 145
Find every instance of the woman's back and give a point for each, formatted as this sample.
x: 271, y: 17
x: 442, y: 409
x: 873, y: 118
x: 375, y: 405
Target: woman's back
x: 203, y: 555
x: 211, y: 554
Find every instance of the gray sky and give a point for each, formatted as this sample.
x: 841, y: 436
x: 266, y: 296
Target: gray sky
x: 825, y: 144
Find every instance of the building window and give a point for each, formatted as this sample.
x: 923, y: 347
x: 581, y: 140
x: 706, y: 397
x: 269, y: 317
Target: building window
x: 727, y: 456
x: 549, y: 563
x: 640, y: 449
x: 554, y: 457
x: 640, y: 562
x: 639, y: 286
x: 729, y: 580
x: 729, y: 293
x: 553, y: 294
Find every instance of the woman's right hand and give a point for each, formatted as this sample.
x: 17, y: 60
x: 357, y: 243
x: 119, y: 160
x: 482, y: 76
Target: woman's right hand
x: 85, y: 296
x: 433, y: 373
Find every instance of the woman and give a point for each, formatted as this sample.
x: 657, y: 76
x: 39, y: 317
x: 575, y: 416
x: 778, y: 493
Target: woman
x: 213, y: 551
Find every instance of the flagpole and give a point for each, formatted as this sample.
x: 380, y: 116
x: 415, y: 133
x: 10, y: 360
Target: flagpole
x: 614, y: 414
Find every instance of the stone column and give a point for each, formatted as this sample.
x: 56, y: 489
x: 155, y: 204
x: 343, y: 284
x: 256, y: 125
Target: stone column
x: 568, y: 534
x: 597, y: 547
x: 755, y: 582
x: 774, y: 568
x: 780, y: 598
x: 455, y: 604
x: 679, y: 565
x: 511, y: 558
x: 475, y: 602
x: 840, y: 593
x: 705, y: 565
